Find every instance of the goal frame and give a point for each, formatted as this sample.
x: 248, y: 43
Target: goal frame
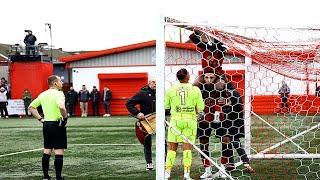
x: 248, y: 113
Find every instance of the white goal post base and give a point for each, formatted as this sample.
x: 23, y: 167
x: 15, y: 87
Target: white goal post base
x: 284, y: 156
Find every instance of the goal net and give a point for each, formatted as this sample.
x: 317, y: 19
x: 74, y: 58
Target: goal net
x: 269, y: 101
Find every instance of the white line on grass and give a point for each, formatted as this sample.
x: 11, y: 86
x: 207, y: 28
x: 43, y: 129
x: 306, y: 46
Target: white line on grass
x: 105, y: 144
x: 32, y: 150
x: 20, y: 152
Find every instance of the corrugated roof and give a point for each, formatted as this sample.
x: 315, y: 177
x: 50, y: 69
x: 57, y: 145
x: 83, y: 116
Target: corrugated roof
x: 93, y: 54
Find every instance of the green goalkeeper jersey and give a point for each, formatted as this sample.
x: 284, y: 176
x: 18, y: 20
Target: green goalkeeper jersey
x: 184, y: 101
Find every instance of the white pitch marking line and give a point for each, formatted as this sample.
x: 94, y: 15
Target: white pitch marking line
x: 105, y: 144
x: 32, y: 150
x: 11, y: 154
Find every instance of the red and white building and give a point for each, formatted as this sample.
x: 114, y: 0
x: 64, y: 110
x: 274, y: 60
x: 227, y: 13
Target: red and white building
x: 126, y: 69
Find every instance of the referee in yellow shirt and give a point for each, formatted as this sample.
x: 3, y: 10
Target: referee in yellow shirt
x: 184, y: 102
x: 54, y: 122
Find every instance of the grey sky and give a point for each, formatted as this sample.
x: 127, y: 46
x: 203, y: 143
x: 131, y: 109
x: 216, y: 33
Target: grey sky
x: 102, y: 24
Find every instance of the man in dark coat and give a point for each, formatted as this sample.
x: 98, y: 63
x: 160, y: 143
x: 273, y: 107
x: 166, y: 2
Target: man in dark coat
x: 95, y: 98
x: 212, y: 53
x: 27, y: 98
x: 318, y: 91
x: 30, y: 40
x: 107, y: 94
x: 71, y: 98
x: 146, y: 98
x: 224, y: 113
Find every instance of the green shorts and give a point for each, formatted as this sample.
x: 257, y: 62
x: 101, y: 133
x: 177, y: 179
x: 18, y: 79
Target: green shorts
x: 186, y: 127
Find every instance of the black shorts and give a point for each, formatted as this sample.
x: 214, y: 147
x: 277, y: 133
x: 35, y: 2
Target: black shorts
x: 54, y: 136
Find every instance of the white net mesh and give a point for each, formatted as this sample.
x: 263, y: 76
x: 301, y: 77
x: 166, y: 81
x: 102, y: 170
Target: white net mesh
x: 280, y: 127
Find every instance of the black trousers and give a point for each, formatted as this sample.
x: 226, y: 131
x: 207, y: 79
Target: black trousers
x: 107, y: 107
x: 95, y: 108
x: 147, y: 149
x: 3, y: 109
x: 227, y: 151
x: 71, y: 109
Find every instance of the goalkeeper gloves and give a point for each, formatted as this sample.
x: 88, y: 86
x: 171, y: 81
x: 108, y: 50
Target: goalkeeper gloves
x: 201, y: 116
x: 63, y: 122
x: 216, y: 117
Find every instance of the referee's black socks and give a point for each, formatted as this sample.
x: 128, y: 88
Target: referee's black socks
x: 58, y: 163
x: 45, y: 164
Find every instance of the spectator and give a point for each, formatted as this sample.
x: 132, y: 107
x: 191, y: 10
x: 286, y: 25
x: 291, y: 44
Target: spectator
x: 95, y: 99
x: 3, y: 103
x: 72, y: 97
x: 146, y: 99
x: 4, y: 83
x: 284, y: 92
x: 318, y: 91
x: 30, y: 40
x: 83, y: 99
x: 27, y: 98
x: 106, y: 101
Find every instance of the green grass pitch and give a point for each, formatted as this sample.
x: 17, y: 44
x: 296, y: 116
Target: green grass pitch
x: 115, y: 153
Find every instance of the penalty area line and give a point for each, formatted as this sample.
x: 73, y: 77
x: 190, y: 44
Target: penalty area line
x: 105, y: 144
x: 39, y: 149
x: 20, y: 152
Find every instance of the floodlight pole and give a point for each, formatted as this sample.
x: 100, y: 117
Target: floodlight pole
x: 160, y: 123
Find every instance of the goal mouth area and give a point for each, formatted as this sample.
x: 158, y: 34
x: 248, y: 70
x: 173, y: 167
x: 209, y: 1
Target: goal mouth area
x: 257, y: 61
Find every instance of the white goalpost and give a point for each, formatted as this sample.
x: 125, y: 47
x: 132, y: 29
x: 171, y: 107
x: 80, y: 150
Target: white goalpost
x: 275, y: 72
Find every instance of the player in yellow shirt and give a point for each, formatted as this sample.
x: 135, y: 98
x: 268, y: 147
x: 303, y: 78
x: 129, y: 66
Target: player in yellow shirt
x: 184, y: 101
x: 54, y: 121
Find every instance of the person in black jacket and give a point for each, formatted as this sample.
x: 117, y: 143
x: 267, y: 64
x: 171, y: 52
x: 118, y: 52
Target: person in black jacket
x: 318, y: 91
x: 95, y: 98
x: 224, y: 114
x: 106, y: 101
x: 146, y: 98
x: 30, y: 40
x: 72, y: 97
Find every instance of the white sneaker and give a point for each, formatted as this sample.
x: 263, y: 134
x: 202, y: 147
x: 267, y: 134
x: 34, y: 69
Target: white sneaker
x: 219, y: 174
x: 106, y: 115
x: 166, y: 175
x: 186, y: 176
x: 149, y: 167
x: 206, y: 175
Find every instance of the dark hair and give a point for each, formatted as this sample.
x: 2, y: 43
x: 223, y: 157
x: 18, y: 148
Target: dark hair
x: 52, y: 79
x: 181, y: 74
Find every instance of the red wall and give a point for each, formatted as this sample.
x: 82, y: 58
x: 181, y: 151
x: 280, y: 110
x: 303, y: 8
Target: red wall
x: 123, y: 86
x: 298, y: 104
x: 29, y: 75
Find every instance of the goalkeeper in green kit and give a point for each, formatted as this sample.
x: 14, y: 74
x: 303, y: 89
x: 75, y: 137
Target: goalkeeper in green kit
x: 184, y: 102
